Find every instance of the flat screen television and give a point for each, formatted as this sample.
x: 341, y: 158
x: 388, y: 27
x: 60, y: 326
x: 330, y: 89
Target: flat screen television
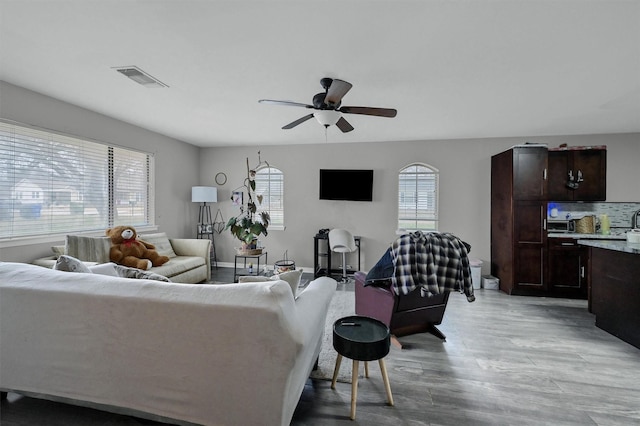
x: 346, y: 184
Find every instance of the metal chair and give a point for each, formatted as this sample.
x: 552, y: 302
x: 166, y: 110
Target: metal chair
x: 342, y: 241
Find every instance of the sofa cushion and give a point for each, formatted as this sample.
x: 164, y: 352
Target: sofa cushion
x: 291, y: 277
x: 70, y: 264
x: 114, y: 270
x: 89, y: 249
x: 178, y: 265
x: 161, y: 241
x: 104, y: 269
x: 126, y: 272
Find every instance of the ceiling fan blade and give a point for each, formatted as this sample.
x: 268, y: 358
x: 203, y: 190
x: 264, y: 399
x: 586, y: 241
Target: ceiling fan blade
x: 286, y: 103
x: 344, y: 125
x: 298, y: 121
x: 378, y: 112
x: 336, y: 91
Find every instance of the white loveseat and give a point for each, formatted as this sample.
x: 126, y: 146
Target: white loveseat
x: 189, y: 259
x: 232, y: 354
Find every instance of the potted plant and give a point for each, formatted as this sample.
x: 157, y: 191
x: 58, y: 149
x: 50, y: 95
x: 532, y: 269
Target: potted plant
x: 245, y: 227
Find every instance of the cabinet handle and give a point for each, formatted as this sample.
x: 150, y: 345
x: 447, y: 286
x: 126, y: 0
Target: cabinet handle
x: 568, y: 244
x: 544, y: 224
x: 544, y: 174
x: 579, y: 179
x: 582, y: 272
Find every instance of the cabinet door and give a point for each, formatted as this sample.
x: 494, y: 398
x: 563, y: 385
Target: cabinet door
x: 530, y: 173
x: 530, y: 245
x: 567, y: 268
x: 589, y: 170
x: 591, y: 166
x: 558, y: 176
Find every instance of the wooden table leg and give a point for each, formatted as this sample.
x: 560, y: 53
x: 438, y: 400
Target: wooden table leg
x: 354, y: 389
x: 335, y: 371
x: 385, y: 379
x: 395, y: 342
x: 366, y: 369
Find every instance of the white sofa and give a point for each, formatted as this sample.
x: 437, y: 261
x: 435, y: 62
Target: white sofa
x: 232, y: 354
x: 189, y: 259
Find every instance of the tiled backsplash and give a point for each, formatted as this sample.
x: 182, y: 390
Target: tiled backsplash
x: 619, y: 213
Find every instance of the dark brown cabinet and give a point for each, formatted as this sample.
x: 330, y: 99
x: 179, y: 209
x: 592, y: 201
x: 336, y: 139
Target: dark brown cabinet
x: 523, y: 179
x: 577, y: 174
x: 567, y: 268
x: 518, y: 219
x: 530, y: 174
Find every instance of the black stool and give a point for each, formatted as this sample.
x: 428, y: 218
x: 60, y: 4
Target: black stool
x: 361, y: 339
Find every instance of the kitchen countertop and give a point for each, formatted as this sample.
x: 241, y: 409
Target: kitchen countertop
x: 623, y: 246
x: 614, y: 235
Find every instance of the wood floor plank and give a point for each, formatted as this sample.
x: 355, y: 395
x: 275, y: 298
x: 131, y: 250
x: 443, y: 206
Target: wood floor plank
x: 510, y: 360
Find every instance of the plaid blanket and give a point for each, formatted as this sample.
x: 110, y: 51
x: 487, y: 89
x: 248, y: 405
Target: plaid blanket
x: 434, y: 262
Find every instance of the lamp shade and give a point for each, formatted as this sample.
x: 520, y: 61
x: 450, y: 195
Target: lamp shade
x: 204, y: 194
x: 327, y: 117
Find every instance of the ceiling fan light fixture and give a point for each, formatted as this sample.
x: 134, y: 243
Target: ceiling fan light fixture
x: 327, y: 117
x: 140, y: 77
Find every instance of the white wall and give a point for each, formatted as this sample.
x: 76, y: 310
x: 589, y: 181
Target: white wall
x: 464, y: 188
x: 464, y: 179
x: 176, y: 162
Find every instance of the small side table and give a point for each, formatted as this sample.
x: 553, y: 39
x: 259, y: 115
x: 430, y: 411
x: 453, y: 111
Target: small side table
x: 361, y: 339
x: 245, y: 271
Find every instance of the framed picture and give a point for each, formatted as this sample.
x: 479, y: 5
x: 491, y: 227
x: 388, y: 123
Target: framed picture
x: 236, y: 198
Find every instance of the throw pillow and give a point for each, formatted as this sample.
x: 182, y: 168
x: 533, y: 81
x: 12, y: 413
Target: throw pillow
x: 70, y: 264
x: 104, y: 269
x: 126, y: 272
x: 162, y: 243
x: 291, y: 277
x: 88, y: 249
x: 57, y: 251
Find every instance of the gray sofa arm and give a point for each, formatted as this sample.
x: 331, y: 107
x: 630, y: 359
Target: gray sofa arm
x: 193, y: 247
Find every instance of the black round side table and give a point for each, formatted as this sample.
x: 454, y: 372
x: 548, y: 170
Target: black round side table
x: 361, y: 339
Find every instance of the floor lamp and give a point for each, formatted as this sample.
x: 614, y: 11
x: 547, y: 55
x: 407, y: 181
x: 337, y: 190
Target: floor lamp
x: 204, y: 195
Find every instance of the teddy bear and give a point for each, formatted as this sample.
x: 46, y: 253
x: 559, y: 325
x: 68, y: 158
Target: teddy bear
x: 128, y: 250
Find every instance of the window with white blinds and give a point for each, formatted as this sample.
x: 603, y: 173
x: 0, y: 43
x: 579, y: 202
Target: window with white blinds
x: 418, y: 198
x: 57, y: 184
x: 270, y: 185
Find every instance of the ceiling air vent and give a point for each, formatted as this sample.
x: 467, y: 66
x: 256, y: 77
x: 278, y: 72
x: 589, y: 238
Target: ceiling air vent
x: 140, y: 77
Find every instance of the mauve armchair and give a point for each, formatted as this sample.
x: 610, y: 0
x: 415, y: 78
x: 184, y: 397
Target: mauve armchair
x: 403, y: 314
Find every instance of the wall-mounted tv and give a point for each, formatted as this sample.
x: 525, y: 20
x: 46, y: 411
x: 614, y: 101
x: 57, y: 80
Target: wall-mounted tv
x: 345, y: 184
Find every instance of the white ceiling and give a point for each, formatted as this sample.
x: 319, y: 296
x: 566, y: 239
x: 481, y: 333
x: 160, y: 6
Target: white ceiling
x: 452, y: 69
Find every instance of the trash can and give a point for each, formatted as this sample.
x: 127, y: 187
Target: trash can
x: 476, y: 272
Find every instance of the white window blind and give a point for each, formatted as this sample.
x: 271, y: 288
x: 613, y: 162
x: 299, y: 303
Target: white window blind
x: 58, y: 184
x: 270, y: 184
x: 418, y: 198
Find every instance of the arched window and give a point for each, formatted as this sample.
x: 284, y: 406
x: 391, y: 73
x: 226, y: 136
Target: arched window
x: 418, y: 198
x: 270, y: 185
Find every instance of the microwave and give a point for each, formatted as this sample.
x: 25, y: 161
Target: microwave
x: 555, y: 225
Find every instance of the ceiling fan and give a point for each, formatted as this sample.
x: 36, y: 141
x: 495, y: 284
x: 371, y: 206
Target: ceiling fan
x: 327, y: 109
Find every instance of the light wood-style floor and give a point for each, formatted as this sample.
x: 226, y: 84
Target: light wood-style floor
x: 507, y: 360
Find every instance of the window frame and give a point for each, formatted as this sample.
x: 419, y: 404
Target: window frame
x: 272, y: 172
x: 83, y: 153
x: 432, y: 217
